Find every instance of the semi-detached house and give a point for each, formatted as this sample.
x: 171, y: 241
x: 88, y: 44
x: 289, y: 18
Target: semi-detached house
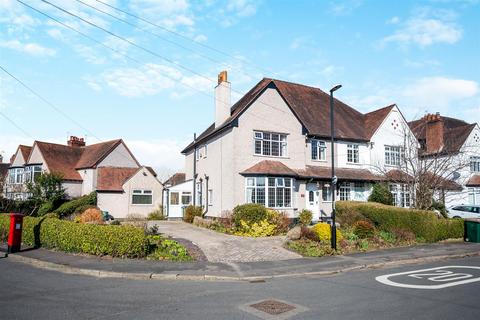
x: 123, y: 186
x: 273, y: 147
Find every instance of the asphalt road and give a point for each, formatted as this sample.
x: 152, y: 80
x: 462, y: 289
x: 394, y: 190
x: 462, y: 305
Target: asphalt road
x: 30, y: 293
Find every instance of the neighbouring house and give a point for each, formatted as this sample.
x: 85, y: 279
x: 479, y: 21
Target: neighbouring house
x: 273, y: 147
x: 3, y: 174
x: 177, y: 195
x: 455, y: 145
x: 123, y: 186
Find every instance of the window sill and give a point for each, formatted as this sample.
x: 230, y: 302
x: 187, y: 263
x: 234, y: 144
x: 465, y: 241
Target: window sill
x: 355, y: 163
x: 276, y: 157
x: 141, y: 204
x: 315, y: 160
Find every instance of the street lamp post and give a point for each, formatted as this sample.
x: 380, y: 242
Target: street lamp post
x: 334, y: 178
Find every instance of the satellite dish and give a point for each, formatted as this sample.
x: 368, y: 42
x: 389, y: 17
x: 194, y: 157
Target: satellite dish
x: 456, y: 175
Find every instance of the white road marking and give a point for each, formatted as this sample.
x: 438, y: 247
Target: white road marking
x: 435, y: 275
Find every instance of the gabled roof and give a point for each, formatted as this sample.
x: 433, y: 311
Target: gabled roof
x: 455, y: 132
x: 311, y: 106
x: 474, y: 181
x: 61, y: 159
x: 93, y: 154
x: 25, y: 150
x: 113, y: 178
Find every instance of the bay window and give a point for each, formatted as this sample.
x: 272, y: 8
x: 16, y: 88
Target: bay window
x: 475, y: 164
x: 269, y: 191
x: 32, y: 173
x: 319, y: 150
x: 143, y: 197
x: 353, y: 153
x: 270, y: 144
x: 393, y: 155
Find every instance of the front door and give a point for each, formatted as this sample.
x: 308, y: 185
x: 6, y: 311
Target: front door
x: 312, y: 200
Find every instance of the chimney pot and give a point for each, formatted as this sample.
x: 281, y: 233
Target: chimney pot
x: 76, y: 142
x: 222, y: 77
x: 222, y: 99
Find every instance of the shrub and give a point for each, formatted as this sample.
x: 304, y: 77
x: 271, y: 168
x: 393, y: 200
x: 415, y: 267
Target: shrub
x: 305, y: 217
x: 26, y: 207
x: 308, y: 233
x: 309, y: 248
x: 166, y: 249
x: 280, y: 219
x: 364, y: 229
x: 423, y: 224
x: 115, y: 223
x: 387, y: 236
x: 324, y: 233
x: 84, y: 208
x: 115, y: 241
x: 263, y: 228
x: 46, y: 207
x: 156, y: 215
x: 69, y: 207
x: 93, y: 216
x: 403, y: 235
x: 381, y: 194
x: 249, y: 213
x: 191, y: 212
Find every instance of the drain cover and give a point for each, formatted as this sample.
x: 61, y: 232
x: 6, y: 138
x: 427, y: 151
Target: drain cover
x: 273, y: 307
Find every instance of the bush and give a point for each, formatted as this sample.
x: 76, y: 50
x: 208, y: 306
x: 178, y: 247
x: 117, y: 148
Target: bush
x: 324, y: 232
x: 307, y: 233
x: 84, y: 208
x: 263, y: 228
x: 381, y: 194
x: 309, y: 248
x: 403, y: 235
x: 115, y: 241
x: 69, y: 207
x: 191, y: 212
x: 115, y: 223
x: 26, y: 207
x: 166, y: 249
x: 364, y: 229
x: 249, y: 213
x: 93, y: 216
x: 423, y: 224
x: 156, y: 215
x: 305, y: 217
x: 45, y: 208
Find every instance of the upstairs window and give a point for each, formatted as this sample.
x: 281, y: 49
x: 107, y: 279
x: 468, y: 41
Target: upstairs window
x: 270, y: 144
x: 475, y: 164
x: 32, y: 173
x: 143, y: 197
x: 393, y: 155
x: 319, y: 150
x: 18, y: 176
x: 352, y: 153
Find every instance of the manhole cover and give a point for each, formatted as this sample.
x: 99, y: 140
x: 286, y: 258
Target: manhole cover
x: 273, y: 307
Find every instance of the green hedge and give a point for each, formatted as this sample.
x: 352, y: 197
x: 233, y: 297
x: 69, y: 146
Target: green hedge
x: 115, y: 241
x: 424, y: 224
x: 69, y: 207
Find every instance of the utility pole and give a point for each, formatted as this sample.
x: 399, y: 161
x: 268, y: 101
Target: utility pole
x: 334, y: 178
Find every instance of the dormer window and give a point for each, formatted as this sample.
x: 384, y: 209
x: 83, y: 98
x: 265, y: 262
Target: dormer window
x: 319, y: 150
x: 270, y: 144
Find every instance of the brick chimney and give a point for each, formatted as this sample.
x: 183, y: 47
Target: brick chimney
x: 222, y: 99
x: 76, y: 142
x: 434, y: 132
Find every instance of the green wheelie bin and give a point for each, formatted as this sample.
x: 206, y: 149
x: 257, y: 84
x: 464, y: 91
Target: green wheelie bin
x: 472, y: 230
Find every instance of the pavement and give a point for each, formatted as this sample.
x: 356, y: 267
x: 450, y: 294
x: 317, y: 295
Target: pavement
x: 240, y: 271
x: 31, y: 293
x: 219, y: 247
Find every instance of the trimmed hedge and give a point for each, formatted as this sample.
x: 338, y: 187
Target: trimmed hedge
x: 424, y: 224
x: 69, y: 207
x: 249, y: 213
x: 115, y: 241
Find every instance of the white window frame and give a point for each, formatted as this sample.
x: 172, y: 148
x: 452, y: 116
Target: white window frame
x: 177, y: 193
x: 141, y: 192
x: 402, y: 197
x: 261, y: 138
x: 186, y: 194
x: 353, y: 153
x: 394, y: 155
x: 319, y: 150
x: 326, y: 191
x: 263, y: 186
x: 345, y: 191
x: 474, y: 164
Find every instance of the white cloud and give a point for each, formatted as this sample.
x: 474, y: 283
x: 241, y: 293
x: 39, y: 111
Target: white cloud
x: 29, y: 48
x: 201, y: 38
x: 393, y: 20
x: 439, y: 92
x: 345, y: 7
x: 150, y: 79
x: 242, y: 8
x: 425, y: 28
x: 168, y: 13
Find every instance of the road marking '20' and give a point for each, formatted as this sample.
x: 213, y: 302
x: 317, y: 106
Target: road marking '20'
x: 436, y: 278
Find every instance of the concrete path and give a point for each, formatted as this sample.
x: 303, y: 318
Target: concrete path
x: 219, y: 247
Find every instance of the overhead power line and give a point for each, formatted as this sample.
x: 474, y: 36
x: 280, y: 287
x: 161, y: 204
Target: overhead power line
x: 178, y: 34
x: 16, y: 125
x: 48, y: 103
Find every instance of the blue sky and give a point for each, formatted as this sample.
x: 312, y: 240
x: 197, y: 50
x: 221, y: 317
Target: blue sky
x: 422, y: 55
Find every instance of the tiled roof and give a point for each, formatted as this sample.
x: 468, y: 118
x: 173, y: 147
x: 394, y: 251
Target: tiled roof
x: 269, y: 167
x: 455, y: 132
x: 473, y: 181
x: 312, y: 108
x: 94, y: 153
x: 318, y: 172
x: 25, y: 151
x: 113, y: 178
x: 175, y: 179
x: 61, y: 159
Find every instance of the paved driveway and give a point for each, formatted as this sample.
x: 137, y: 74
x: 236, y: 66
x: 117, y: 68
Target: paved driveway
x: 219, y: 247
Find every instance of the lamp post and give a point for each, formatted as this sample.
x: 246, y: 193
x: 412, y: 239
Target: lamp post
x: 334, y: 178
